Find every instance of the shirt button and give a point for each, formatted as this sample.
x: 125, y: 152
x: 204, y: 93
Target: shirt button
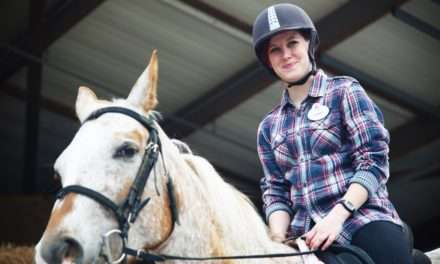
x: 304, y: 185
x: 301, y: 159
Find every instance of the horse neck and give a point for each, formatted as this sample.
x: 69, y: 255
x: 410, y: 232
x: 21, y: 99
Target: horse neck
x: 215, y: 219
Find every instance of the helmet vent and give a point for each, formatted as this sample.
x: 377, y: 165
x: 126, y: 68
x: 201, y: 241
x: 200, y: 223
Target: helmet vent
x: 272, y: 18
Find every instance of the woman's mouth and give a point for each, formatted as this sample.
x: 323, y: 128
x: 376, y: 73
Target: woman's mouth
x: 288, y: 66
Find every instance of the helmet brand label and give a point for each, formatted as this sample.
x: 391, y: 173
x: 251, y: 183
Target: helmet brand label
x: 272, y: 18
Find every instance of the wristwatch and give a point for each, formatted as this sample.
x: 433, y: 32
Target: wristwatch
x: 347, y: 205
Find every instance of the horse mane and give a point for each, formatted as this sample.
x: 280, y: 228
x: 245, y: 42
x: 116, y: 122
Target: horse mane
x: 182, y: 146
x: 202, y: 167
x: 234, y: 213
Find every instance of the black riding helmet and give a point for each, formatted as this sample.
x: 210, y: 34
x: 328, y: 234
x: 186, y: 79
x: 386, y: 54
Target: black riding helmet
x: 278, y: 18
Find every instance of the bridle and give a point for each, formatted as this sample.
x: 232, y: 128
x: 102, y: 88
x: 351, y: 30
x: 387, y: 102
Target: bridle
x: 127, y: 212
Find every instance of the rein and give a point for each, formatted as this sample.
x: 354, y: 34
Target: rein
x: 146, y: 256
x: 127, y: 212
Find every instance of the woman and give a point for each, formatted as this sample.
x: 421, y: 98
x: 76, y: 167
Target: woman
x: 323, y: 149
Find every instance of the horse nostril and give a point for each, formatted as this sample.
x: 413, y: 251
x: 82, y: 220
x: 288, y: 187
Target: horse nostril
x: 73, y: 251
x: 64, y: 250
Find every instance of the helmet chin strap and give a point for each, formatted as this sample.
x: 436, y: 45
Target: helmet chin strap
x: 303, y: 80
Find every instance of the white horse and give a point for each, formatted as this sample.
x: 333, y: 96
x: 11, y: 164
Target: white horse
x: 214, y: 219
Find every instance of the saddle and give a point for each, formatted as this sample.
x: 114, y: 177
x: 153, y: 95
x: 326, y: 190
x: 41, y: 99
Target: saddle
x: 344, y: 254
x: 350, y: 254
x: 335, y: 254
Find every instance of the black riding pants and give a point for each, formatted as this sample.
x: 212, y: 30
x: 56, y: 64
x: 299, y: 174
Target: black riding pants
x: 384, y: 242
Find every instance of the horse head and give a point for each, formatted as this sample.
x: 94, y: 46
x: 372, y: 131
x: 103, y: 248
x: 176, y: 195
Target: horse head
x: 105, y: 156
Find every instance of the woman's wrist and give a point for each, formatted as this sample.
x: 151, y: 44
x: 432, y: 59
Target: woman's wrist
x: 340, y: 212
x: 278, y: 224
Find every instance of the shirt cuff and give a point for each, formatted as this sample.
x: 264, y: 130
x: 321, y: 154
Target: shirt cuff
x: 277, y: 207
x: 366, y: 179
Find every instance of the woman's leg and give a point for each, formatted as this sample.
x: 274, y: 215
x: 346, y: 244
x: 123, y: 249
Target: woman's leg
x: 384, y: 242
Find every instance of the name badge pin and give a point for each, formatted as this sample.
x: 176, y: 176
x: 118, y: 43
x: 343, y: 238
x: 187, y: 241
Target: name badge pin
x: 317, y: 112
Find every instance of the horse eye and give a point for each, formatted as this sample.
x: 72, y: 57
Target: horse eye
x: 56, y: 175
x: 127, y: 150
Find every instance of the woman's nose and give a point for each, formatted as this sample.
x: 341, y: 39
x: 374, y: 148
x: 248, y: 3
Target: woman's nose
x: 63, y: 250
x: 286, y: 53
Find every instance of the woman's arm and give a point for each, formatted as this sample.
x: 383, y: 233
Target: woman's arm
x: 369, y: 140
x: 274, y: 187
x: 368, y: 137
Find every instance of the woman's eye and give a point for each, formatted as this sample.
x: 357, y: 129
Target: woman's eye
x: 125, y: 151
x: 273, y: 50
x: 292, y: 43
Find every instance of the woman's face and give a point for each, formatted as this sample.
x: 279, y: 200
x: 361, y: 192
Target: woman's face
x: 288, y: 55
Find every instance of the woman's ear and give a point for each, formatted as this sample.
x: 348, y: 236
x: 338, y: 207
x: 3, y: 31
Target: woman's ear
x: 267, y: 61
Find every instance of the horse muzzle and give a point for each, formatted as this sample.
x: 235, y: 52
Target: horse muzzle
x: 62, y: 250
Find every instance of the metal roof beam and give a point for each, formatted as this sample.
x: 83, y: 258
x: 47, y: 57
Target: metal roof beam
x: 55, y: 25
x: 219, y: 15
x: 33, y: 97
x: 416, y: 23
x: 351, y: 18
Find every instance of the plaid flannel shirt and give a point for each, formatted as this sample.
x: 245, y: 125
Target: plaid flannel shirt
x: 309, y: 165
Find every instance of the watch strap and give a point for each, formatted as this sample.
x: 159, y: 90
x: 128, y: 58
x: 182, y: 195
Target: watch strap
x: 347, y: 205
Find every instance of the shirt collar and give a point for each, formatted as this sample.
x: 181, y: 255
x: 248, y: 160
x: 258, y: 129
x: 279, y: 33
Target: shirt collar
x: 318, y: 88
x: 319, y: 85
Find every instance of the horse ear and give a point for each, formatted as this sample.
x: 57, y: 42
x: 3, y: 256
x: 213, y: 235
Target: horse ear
x: 85, y: 102
x: 144, y: 91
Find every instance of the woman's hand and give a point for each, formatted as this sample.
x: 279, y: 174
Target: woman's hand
x: 325, y: 232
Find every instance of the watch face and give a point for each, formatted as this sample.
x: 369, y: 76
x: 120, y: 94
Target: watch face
x: 348, y: 205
